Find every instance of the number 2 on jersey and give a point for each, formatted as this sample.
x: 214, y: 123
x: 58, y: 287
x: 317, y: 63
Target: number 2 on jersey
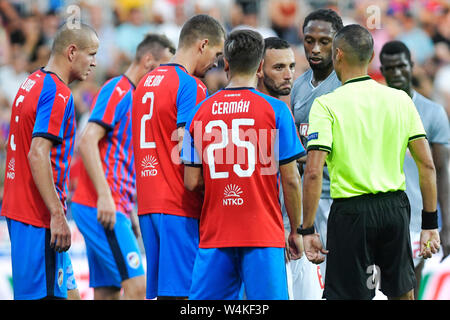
x: 12, y: 144
x: 146, y: 144
x: 236, y: 123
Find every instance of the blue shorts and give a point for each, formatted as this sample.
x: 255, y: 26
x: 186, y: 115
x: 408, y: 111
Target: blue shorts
x: 220, y: 272
x: 113, y: 255
x: 38, y: 271
x: 171, y: 244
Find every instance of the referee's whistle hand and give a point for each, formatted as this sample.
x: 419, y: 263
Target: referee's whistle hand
x: 314, y: 250
x: 429, y: 243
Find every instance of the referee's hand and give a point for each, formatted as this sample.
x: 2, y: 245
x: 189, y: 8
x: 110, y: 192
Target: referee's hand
x: 314, y: 250
x: 429, y: 243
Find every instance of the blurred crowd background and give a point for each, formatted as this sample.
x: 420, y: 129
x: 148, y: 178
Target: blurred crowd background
x: 27, y: 29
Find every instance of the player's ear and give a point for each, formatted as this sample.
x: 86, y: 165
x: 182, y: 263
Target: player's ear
x: 148, y: 60
x: 203, y: 44
x: 71, y: 52
x: 371, y: 58
x: 260, y: 72
x: 226, y: 65
x: 338, y: 54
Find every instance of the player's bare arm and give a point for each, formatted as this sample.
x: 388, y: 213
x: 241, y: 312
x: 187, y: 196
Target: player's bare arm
x: 441, y: 157
x: 41, y: 169
x: 312, y: 189
x: 420, y: 150
x: 90, y: 154
x: 292, y: 191
x: 193, y: 179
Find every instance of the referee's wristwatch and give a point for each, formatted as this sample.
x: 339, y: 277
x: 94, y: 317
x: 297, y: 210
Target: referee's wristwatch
x: 306, y: 231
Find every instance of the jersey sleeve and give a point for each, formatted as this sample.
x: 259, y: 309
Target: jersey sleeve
x: 189, y: 93
x: 52, y: 113
x: 440, y: 131
x: 415, y: 126
x: 287, y: 144
x: 293, y: 96
x: 110, y: 106
x: 320, y: 135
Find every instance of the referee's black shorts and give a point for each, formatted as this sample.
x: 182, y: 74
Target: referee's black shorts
x: 365, y: 233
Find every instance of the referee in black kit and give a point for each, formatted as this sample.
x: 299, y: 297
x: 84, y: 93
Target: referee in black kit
x: 362, y: 130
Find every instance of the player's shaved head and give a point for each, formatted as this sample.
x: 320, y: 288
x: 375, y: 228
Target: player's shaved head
x: 356, y: 42
x: 81, y: 36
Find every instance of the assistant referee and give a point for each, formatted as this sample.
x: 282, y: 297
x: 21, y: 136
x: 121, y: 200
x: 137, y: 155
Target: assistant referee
x: 362, y: 130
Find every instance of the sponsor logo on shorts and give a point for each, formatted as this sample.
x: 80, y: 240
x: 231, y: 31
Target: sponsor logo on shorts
x: 60, y: 277
x: 133, y: 260
x: 149, y: 164
x: 232, y: 195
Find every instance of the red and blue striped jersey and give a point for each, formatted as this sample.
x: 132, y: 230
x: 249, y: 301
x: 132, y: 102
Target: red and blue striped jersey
x: 112, y: 110
x: 239, y: 137
x: 162, y: 102
x: 43, y: 107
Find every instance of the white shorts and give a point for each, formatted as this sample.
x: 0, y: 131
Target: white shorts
x: 320, y: 224
x: 305, y: 281
x: 415, y: 247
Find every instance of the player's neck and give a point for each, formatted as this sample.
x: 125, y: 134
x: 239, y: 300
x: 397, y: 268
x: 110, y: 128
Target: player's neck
x: 59, y: 69
x: 262, y: 88
x: 240, y: 81
x: 134, y: 73
x: 319, y: 75
x: 185, y: 58
x: 409, y: 91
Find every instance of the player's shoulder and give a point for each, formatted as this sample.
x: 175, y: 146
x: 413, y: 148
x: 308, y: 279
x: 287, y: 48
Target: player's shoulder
x: 426, y: 104
x: 377, y: 90
x: 208, y: 101
x: 175, y: 69
x: 305, y: 76
x: 200, y: 84
x: 268, y: 98
x: 185, y: 79
x: 53, y: 85
x: 278, y: 106
x: 299, y: 84
x: 111, y: 83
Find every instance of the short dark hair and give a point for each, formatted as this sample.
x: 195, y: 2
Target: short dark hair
x: 275, y: 43
x: 395, y: 47
x: 327, y: 15
x: 154, y: 43
x: 201, y: 26
x: 356, y: 41
x: 243, y: 50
